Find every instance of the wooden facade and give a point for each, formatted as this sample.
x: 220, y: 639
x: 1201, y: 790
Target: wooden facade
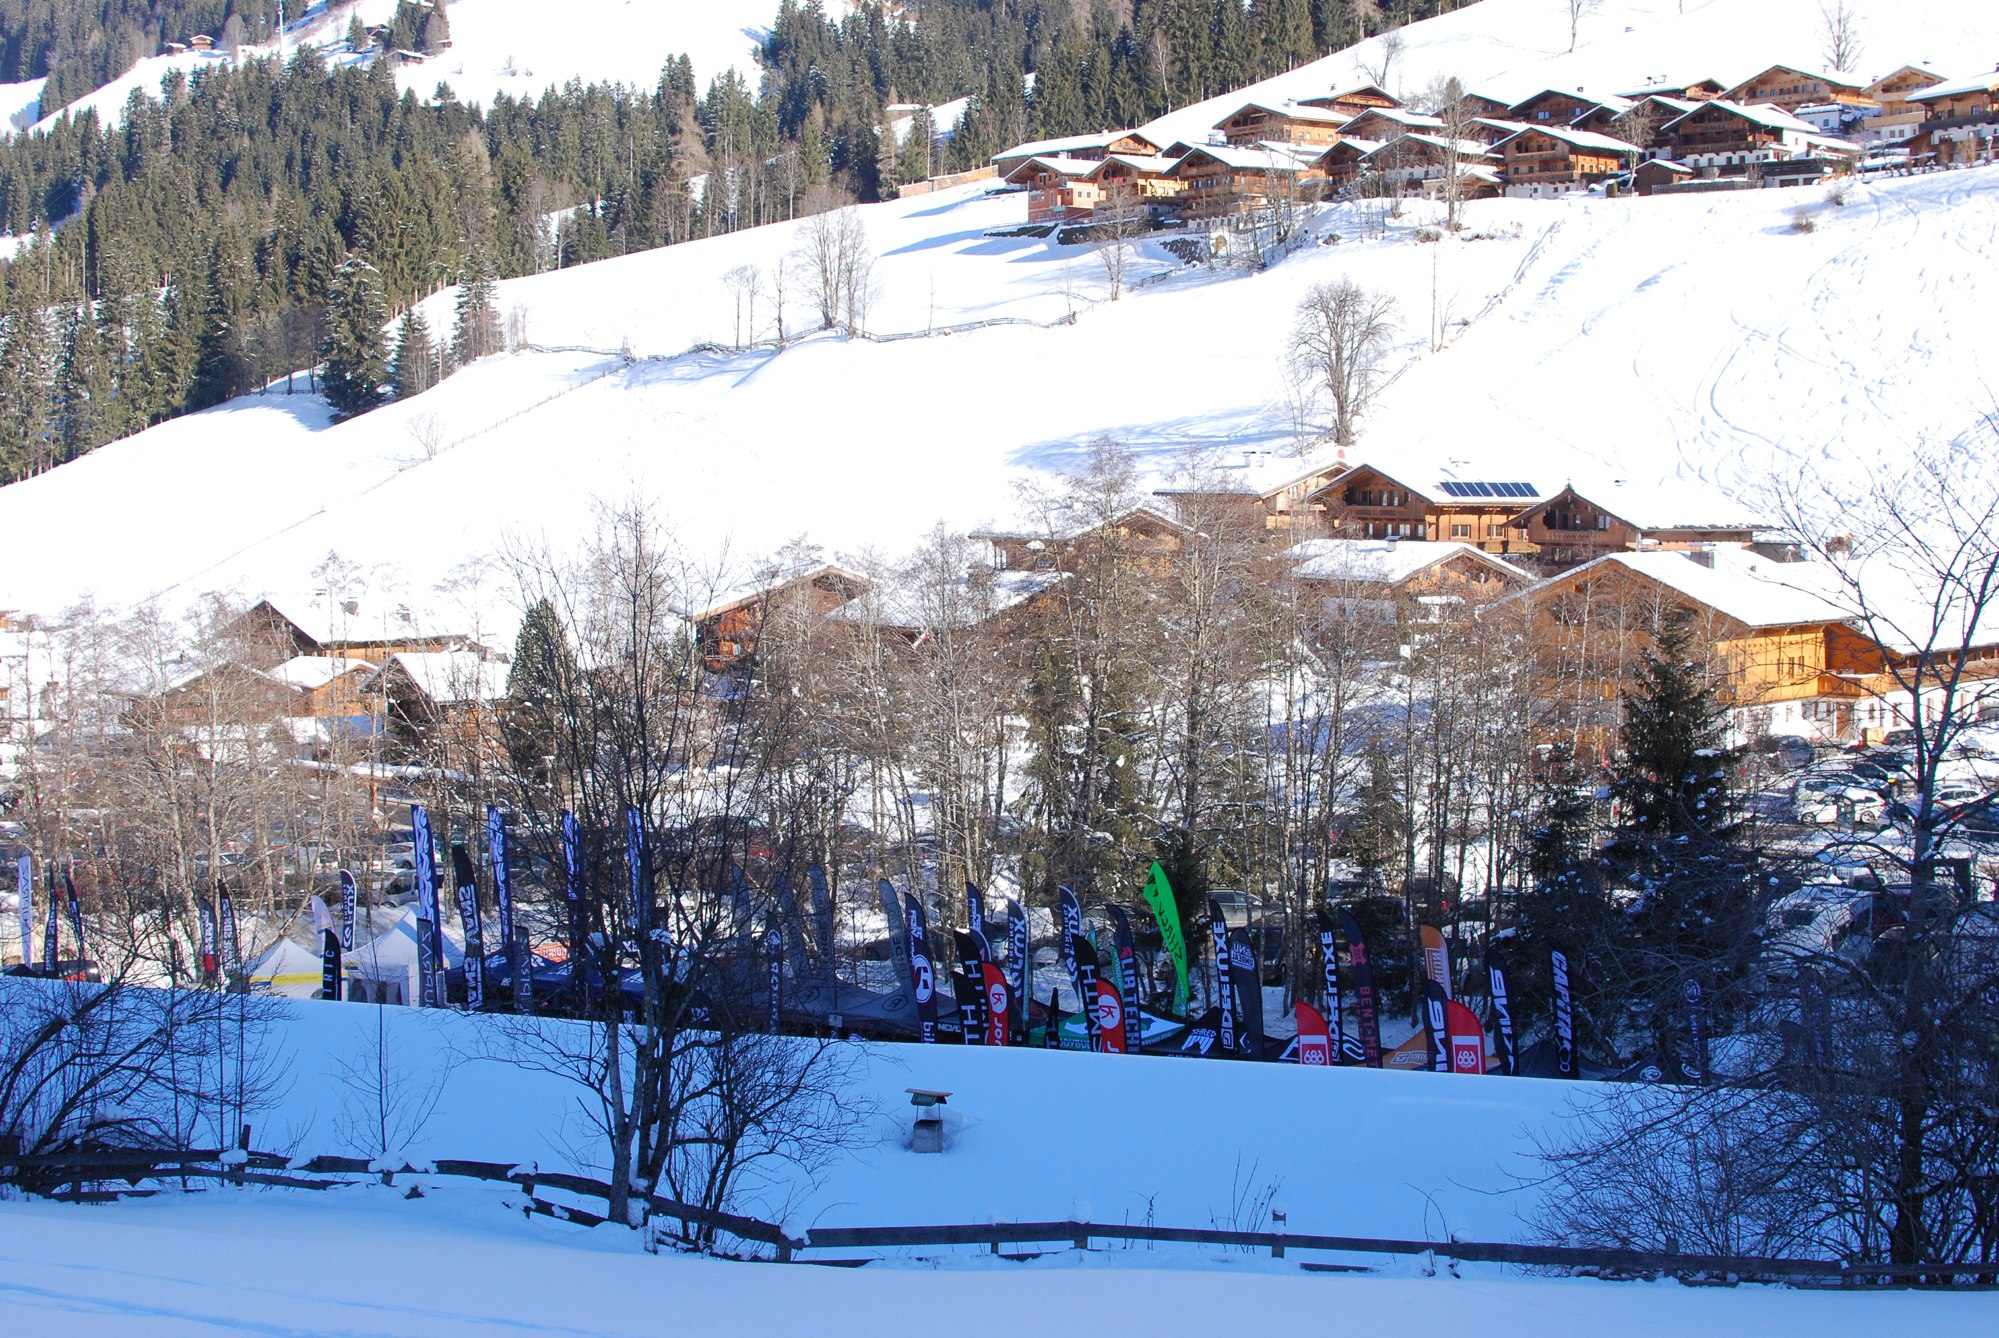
x: 1261, y: 122
x: 727, y: 633
x: 1569, y: 529
x: 1222, y: 182
x: 1365, y: 502
x: 1553, y: 156
x: 1152, y: 536
x: 1899, y: 117
x: 1789, y: 88
x: 1059, y: 190
x: 1353, y: 101
x: 1961, y: 120
x: 1724, y: 134
x: 1554, y: 106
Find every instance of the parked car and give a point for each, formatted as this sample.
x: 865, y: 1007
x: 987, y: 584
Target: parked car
x: 1831, y: 799
x: 1814, y: 921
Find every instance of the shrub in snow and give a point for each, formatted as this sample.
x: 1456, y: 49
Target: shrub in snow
x: 1801, y: 220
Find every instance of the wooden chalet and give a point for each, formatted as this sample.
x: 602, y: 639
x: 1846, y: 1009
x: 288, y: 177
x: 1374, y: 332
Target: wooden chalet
x: 1128, y: 180
x: 1345, y: 163
x: 266, y: 635
x: 1898, y: 116
x: 1562, y: 107
x: 1220, y: 183
x: 1580, y: 525
x: 727, y: 632
x: 1473, y: 106
x: 1763, y: 629
x: 1788, y: 87
x: 332, y: 687
x: 201, y: 42
x: 1088, y: 147
x: 1398, y: 581
x: 1657, y: 175
x: 998, y: 602
x: 1385, y: 123
x: 1151, y: 536
x: 1649, y: 116
x: 1865, y: 693
x: 1725, y: 134
x: 1355, y: 100
x: 1281, y: 123
x: 1563, y: 159
x: 1961, y: 119
x: 1421, y: 163
x: 448, y: 698
x: 1366, y: 502
x: 1059, y: 190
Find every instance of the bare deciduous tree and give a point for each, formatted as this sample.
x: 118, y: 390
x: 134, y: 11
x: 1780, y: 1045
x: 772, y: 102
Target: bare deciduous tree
x: 1577, y: 11
x: 1337, y: 345
x: 836, y: 266
x: 1840, y: 41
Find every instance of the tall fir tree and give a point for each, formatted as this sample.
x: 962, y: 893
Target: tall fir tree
x: 356, y: 365
x: 476, y: 333
x: 416, y: 356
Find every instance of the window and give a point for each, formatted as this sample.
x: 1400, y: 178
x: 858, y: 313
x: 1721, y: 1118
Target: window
x: 1461, y: 531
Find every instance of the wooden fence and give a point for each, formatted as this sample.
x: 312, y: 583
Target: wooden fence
x: 87, y: 1175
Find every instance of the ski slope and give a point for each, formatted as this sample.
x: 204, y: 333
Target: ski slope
x: 514, y: 47
x: 1693, y: 338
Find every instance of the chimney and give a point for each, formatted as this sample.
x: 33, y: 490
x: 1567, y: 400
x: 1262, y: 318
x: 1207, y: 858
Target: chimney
x: 1702, y: 554
x: 1390, y: 545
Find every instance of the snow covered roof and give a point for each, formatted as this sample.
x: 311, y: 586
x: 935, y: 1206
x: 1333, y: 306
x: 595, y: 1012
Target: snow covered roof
x: 1156, y: 163
x: 1823, y: 76
x: 1610, y: 102
x: 1956, y: 88
x: 969, y: 600
x: 1103, y: 139
x: 1675, y: 92
x: 1075, y: 526
x: 1467, y: 148
x: 1582, y: 139
x: 449, y: 677
x: 773, y: 579
x: 1396, y: 116
x: 1752, y: 590
x: 1296, y: 111
x: 1385, y: 561
x: 1264, y: 157
x: 1669, y: 505
x: 316, y: 671
x: 1446, y: 482
x: 1068, y: 167
x: 1761, y: 113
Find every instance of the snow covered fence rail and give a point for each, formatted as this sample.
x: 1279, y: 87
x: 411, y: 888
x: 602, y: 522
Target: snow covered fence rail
x: 44, y: 1174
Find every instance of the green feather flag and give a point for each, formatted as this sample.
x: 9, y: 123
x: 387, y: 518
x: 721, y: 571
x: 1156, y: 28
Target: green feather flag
x: 1159, y: 896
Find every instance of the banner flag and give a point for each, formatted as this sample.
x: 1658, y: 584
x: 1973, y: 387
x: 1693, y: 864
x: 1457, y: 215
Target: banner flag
x: 467, y: 887
x: 784, y: 903
x: 1247, y: 977
x: 638, y: 877
x: 75, y: 912
x: 1366, y: 1012
x: 204, y: 911
x: 1315, y: 1039
x: 52, y: 926
x: 1127, y: 976
x: 972, y: 998
x: 1159, y: 899
x: 24, y: 894
x: 1437, y: 1025
x: 518, y: 975
x: 1218, y: 931
x: 1051, y: 1033
x: 1565, y: 1017
x: 742, y: 924
x: 572, y: 895
x: 984, y: 947
x: 975, y: 909
x: 1019, y: 968
x: 822, y: 912
x: 1346, y: 1050
x: 1111, y: 1015
x: 1086, y: 996
x: 350, y: 903
x: 999, y: 1005
x: 774, y: 953
x: 1071, y: 916
x: 1502, y: 1012
x: 428, y: 935
x: 1205, y: 1036
x: 1696, y: 1001
x: 1436, y: 958
x: 898, y: 931
x: 1467, y: 1043
x: 922, y: 970
x: 232, y: 946
x: 971, y: 1001
x: 329, y: 964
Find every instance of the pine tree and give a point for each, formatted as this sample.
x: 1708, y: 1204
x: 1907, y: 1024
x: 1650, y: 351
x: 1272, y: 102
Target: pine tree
x: 477, y: 331
x: 355, y: 364
x: 416, y: 356
x: 541, y: 683
x: 1672, y: 776
x: 84, y: 388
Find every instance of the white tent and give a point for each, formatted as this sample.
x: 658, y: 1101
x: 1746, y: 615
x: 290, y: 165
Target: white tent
x: 383, y: 970
x: 286, y: 969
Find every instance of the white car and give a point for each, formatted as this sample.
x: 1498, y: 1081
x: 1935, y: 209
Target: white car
x: 1820, y: 799
x: 1811, y: 922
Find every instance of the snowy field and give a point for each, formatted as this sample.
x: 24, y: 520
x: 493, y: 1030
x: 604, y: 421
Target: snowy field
x: 368, y: 1262
x: 1648, y: 340
x: 1033, y: 1135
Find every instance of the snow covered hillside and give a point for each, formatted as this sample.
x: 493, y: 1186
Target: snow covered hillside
x: 1692, y: 337
x: 515, y: 47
